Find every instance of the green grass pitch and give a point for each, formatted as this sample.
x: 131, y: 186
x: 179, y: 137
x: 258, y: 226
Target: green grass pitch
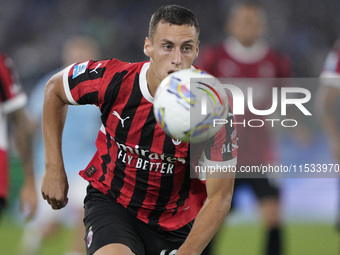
x: 300, y: 239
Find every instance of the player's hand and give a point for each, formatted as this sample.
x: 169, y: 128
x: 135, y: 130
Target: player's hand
x: 28, y: 198
x: 54, y: 188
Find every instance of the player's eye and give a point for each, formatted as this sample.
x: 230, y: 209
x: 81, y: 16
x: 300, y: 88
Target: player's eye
x: 186, y: 48
x: 167, y: 47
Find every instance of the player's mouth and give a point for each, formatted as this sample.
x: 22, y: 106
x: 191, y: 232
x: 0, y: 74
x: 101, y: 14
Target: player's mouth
x: 172, y: 71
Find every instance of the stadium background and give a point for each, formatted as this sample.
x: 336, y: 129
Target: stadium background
x: 33, y: 31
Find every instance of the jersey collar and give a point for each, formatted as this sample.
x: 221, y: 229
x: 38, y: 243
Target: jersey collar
x: 247, y: 55
x: 143, y: 85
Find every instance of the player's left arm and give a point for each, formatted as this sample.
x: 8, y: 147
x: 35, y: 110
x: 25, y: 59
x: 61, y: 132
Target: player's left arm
x: 23, y: 129
x: 211, y: 216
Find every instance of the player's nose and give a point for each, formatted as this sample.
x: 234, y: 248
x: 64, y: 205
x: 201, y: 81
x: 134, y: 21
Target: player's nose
x: 176, y: 57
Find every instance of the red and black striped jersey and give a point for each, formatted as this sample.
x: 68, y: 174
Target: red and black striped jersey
x: 11, y: 93
x: 136, y: 163
x: 229, y: 59
x: 11, y: 99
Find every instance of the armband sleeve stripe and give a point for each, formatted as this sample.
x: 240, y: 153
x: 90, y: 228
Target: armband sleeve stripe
x: 67, y: 86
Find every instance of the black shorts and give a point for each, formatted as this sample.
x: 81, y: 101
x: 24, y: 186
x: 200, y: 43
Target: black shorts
x: 2, y: 206
x: 108, y: 222
x: 262, y: 187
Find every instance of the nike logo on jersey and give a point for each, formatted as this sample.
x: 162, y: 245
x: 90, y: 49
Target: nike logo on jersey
x: 95, y: 70
x: 120, y: 118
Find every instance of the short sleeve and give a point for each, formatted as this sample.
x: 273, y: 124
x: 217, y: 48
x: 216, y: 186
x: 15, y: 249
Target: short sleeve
x: 12, y: 96
x: 82, y: 81
x: 222, y: 148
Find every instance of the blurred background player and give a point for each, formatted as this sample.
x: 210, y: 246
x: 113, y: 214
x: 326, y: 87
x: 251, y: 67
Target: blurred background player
x: 12, y: 108
x: 246, y: 54
x: 329, y: 104
x: 47, y: 221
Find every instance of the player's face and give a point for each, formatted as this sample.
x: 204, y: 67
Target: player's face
x: 172, y: 48
x: 247, y: 25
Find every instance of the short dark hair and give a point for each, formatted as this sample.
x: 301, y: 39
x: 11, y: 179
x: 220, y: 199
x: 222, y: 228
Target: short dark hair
x: 174, y: 15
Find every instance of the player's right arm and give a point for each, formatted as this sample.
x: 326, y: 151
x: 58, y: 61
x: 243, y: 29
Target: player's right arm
x: 55, y: 185
x: 327, y: 100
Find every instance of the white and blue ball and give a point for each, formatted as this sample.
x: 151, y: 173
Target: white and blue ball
x: 186, y: 104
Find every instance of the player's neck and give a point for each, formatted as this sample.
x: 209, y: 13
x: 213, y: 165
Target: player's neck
x: 245, y: 54
x: 152, y: 81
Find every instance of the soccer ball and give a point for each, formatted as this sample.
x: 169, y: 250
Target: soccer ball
x: 186, y: 104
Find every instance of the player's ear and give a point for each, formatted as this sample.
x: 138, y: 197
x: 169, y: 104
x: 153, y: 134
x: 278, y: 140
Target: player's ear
x: 147, y: 46
x: 197, y: 49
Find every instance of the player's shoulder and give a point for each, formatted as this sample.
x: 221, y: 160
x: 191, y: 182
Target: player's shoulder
x: 209, y: 54
x: 117, y: 65
x: 280, y: 59
x: 5, y: 61
x: 277, y: 53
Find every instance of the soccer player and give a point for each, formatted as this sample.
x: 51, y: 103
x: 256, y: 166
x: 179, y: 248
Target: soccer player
x: 47, y: 222
x: 246, y: 54
x: 141, y: 199
x: 328, y: 103
x: 12, y: 108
